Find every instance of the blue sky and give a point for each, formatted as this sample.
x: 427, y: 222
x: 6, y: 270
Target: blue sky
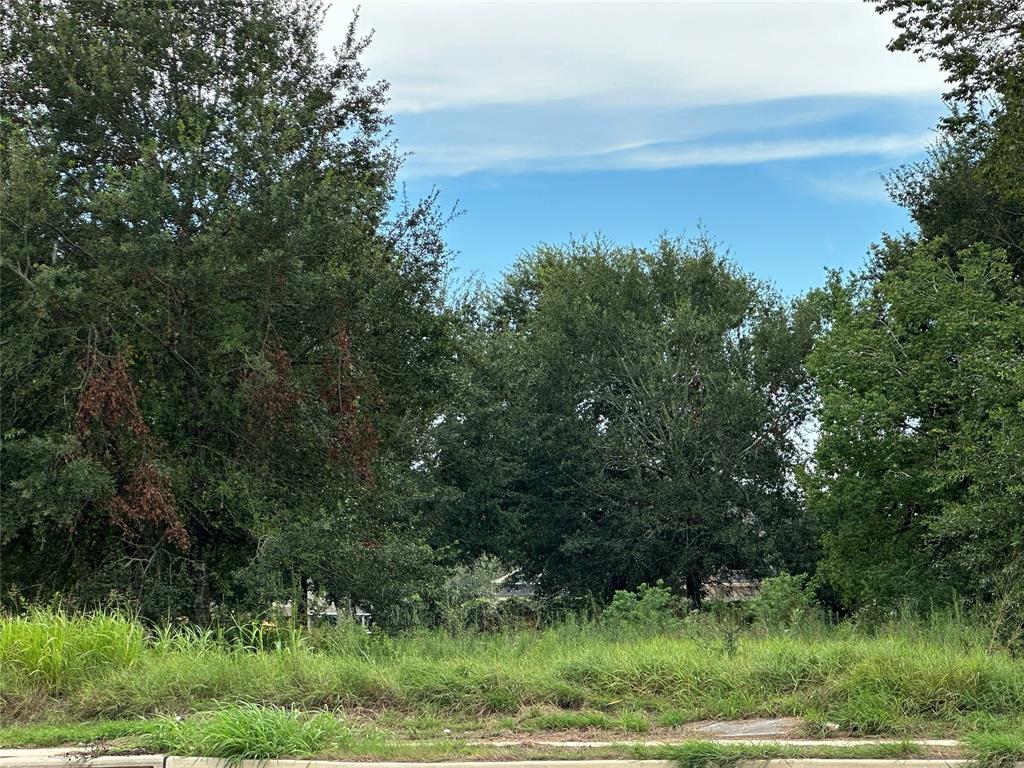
x: 768, y: 124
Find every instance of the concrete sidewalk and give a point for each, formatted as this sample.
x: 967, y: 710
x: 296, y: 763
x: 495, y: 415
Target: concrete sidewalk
x: 85, y: 758
x: 527, y: 742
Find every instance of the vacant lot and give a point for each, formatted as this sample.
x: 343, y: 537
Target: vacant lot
x: 342, y: 691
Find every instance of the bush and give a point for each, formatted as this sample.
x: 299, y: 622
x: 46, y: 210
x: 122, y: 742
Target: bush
x: 470, y: 598
x: 647, y: 609
x: 785, y: 601
x: 346, y: 637
x: 1008, y: 621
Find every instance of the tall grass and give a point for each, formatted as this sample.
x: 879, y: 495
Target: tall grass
x: 57, y: 652
x: 905, y: 677
x: 251, y: 732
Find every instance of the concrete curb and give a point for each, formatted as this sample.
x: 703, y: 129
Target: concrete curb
x: 205, y: 762
x: 74, y: 758
x: 758, y: 742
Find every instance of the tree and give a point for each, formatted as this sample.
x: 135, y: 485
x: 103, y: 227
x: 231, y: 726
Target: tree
x: 219, y: 350
x: 630, y: 417
x: 979, y: 44
x: 922, y: 414
x: 919, y: 373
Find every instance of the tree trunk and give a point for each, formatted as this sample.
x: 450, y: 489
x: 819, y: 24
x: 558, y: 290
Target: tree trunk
x: 694, y: 588
x: 201, y: 604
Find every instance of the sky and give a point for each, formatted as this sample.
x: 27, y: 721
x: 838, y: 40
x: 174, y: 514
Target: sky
x: 767, y: 125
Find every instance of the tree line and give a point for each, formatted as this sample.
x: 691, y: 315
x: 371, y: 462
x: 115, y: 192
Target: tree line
x: 235, y: 367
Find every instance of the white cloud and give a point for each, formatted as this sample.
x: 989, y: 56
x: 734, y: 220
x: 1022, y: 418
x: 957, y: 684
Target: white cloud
x: 442, y: 55
x: 572, y: 86
x: 658, y: 157
x: 452, y: 160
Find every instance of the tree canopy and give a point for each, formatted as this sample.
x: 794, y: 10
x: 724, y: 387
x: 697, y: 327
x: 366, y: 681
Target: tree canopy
x: 921, y: 371
x: 630, y: 416
x: 220, y: 345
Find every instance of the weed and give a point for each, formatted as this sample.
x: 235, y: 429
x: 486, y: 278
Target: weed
x: 250, y: 731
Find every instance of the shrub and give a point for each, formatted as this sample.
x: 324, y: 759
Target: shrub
x: 649, y: 608
x: 346, y: 637
x: 785, y: 601
x: 470, y: 598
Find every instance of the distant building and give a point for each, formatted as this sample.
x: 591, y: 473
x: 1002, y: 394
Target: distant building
x: 512, y: 584
x: 321, y: 610
x: 732, y: 588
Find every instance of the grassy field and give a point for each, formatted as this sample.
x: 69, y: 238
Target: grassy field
x: 265, y: 691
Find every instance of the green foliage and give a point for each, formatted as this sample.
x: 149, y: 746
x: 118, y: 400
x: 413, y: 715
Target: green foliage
x: 891, y: 679
x: 232, y: 377
x: 915, y: 467
x: 469, y: 594
x: 917, y: 476
x: 648, y: 608
x: 998, y: 749
x: 712, y: 754
x: 221, y: 351
x: 57, y: 734
x: 470, y: 598
x: 627, y: 415
x: 785, y: 601
x: 979, y: 46
x: 346, y: 637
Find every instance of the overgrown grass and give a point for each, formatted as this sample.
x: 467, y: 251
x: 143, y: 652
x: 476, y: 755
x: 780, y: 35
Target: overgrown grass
x: 998, y: 749
x: 255, y: 732
x: 912, y: 677
x: 251, y: 731
x: 52, y: 651
x: 626, y: 721
x: 55, y: 734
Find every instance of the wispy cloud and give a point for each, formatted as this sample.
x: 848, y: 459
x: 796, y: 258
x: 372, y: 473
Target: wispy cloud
x: 581, y: 135
x: 769, y: 121
x: 454, y: 161
x: 655, y: 157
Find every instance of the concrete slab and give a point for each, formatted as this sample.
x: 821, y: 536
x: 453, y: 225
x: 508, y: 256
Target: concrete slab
x: 780, y: 727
